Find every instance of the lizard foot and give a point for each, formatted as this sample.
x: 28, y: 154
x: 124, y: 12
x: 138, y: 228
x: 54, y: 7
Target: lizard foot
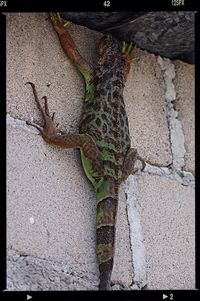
x: 126, y: 50
x: 49, y: 130
x: 133, y: 164
x: 58, y: 22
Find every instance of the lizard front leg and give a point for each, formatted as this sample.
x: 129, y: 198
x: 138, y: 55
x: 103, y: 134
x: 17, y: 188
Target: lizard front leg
x: 126, y: 50
x: 73, y: 54
x: 51, y: 134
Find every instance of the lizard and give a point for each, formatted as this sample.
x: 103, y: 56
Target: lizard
x: 103, y: 138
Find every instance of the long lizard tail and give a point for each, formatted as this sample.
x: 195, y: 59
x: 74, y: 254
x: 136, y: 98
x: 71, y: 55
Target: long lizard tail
x: 106, y: 215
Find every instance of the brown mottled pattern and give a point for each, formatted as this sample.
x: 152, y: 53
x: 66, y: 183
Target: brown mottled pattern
x: 105, y: 235
x: 106, y: 111
x: 103, y: 139
x: 106, y: 212
x: 105, y: 251
x: 104, y: 119
x: 105, y: 269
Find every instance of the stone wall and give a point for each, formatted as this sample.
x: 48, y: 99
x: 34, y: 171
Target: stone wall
x: 50, y: 203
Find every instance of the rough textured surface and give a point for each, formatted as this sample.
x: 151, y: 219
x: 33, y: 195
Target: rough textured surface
x: 169, y: 34
x: 123, y: 267
x: 33, y: 34
x: 185, y: 106
x: 165, y: 33
x: 40, y: 188
x: 169, y: 232
x: 175, y: 127
x: 98, y: 20
x: 51, y: 226
x: 36, y: 274
x: 51, y: 205
x: 146, y: 109
x: 136, y: 236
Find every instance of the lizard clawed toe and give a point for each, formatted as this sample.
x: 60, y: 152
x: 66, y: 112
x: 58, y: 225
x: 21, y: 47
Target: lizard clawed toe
x: 52, y: 118
x: 35, y: 125
x: 142, y: 161
x: 55, y: 17
x: 126, y: 50
x: 57, y: 20
x: 49, y: 129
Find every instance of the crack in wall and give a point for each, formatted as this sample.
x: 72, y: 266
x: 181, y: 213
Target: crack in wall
x: 28, y: 272
x: 174, y: 171
x: 185, y: 178
x: 18, y: 123
x: 177, y: 139
x: 135, y: 231
x: 129, y: 227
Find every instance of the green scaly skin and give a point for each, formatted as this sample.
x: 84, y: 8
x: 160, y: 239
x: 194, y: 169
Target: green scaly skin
x: 103, y: 139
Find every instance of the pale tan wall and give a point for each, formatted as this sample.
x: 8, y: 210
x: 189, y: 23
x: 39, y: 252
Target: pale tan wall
x: 51, y: 204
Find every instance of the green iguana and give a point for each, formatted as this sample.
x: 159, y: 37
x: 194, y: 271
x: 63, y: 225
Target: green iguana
x: 103, y: 139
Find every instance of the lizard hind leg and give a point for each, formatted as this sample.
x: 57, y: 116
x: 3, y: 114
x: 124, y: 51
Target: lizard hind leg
x: 129, y: 166
x: 73, y: 54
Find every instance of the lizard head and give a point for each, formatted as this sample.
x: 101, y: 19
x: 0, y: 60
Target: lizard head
x: 107, y: 43
x: 108, y: 50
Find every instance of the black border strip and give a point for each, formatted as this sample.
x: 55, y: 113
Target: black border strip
x: 97, y: 5
x: 24, y: 5
x: 173, y: 295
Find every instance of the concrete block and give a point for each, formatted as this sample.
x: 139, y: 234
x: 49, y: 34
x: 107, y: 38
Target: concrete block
x: 34, y: 54
x: 167, y: 211
x: 123, y: 270
x: 51, y: 205
x: 185, y: 106
x: 145, y: 103
x: 29, y: 273
x: 50, y: 210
